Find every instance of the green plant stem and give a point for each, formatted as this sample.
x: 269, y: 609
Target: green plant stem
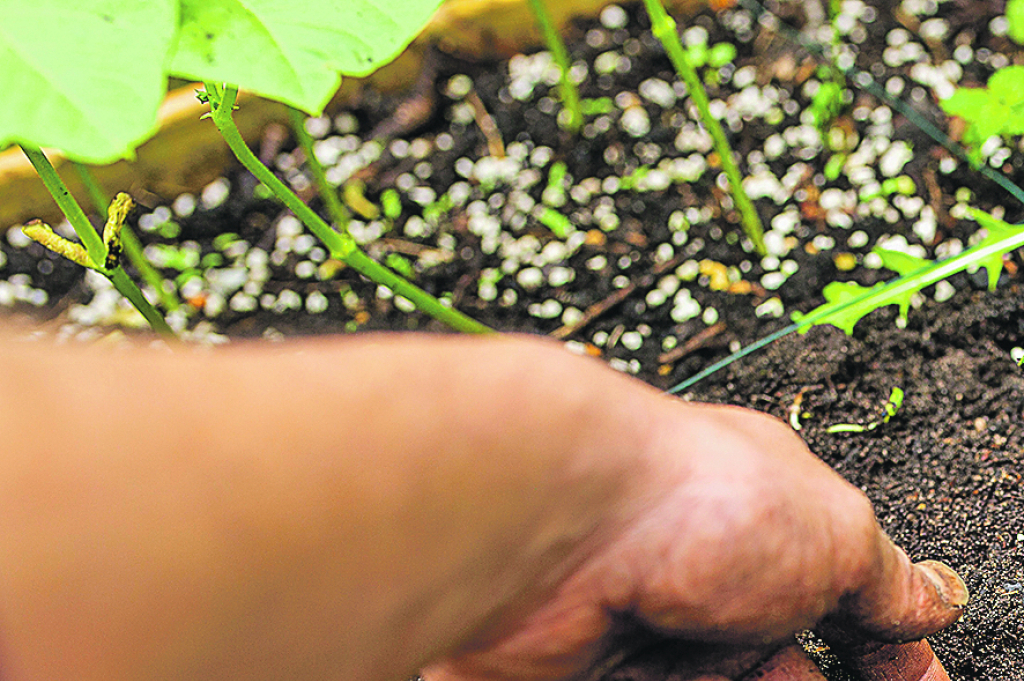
x: 91, y: 240
x: 67, y: 204
x: 339, y: 214
x: 129, y: 242
x: 341, y: 246
x: 99, y: 198
x: 570, y: 94
x: 133, y: 249
x: 664, y: 29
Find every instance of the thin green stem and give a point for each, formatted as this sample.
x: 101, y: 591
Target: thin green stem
x: 91, y: 240
x: 341, y: 246
x: 99, y: 198
x: 339, y: 214
x: 664, y: 29
x: 129, y: 241
x: 570, y: 94
x: 134, y: 250
x: 67, y: 204
x: 127, y: 288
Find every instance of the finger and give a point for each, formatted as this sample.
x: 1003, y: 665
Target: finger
x: 898, y: 600
x: 789, y: 664
x: 914, y: 661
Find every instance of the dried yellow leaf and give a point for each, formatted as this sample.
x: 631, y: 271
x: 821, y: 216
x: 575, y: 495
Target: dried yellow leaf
x: 41, y: 232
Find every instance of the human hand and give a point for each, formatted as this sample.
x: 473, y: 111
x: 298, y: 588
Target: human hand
x: 497, y: 502
x: 738, y: 537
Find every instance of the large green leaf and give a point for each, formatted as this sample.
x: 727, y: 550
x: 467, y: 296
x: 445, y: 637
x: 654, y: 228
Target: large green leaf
x: 293, y: 51
x: 85, y: 76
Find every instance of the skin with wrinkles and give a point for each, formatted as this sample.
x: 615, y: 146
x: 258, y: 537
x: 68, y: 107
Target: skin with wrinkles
x: 370, y: 506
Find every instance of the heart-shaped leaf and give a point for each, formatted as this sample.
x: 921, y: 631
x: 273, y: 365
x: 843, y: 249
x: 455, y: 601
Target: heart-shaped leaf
x: 84, y: 77
x: 293, y: 51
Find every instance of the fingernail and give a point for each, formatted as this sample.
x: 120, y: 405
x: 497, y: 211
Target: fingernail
x: 951, y: 588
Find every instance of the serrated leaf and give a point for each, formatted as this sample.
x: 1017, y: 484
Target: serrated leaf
x: 900, y: 262
x: 83, y: 77
x: 293, y: 51
x: 841, y: 309
x: 848, y: 302
x: 997, y: 231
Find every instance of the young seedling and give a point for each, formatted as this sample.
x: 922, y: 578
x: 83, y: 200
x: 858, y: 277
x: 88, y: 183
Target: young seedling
x: 889, y: 410
x: 848, y: 302
x: 568, y: 89
x: 997, y: 109
x: 664, y: 29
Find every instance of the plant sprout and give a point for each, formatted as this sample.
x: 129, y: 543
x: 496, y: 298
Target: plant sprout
x: 567, y: 88
x: 890, y: 408
x: 664, y: 29
x: 848, y: 302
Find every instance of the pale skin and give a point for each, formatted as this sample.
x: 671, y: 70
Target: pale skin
x: 365, y: 508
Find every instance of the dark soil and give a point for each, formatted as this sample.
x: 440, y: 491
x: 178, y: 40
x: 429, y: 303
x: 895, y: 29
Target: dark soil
x: 944, y: 473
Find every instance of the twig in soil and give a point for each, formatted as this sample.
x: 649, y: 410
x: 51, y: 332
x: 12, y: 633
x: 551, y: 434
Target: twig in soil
x: 692, y: 344
x: 614, y: 298
x: 795, y: 409
x: 484, y: 120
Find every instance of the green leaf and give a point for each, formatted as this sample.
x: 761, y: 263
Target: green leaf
x: 841, y: 309
x: 967, y: 102
x: 1015, y: 16
x: 900, y: 262
x: 997, y: 231
x: 697, y: 54
x: 293, y: 51
x: 848, y: 302
x: 1014, y: 124
x: 1008, y: 85
x: 83, y: 77
x: 559, y: 225
x: 721, y: 54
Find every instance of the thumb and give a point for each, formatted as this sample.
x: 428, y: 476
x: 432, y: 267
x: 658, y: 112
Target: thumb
x: 899, y: 600
x: 902, y: 602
